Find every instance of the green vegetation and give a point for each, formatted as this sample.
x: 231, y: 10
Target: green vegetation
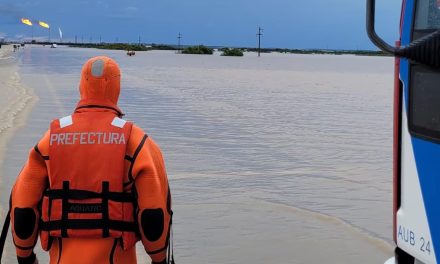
x: 201, y: 49
x: 322, y: 51
x: 162, y: 47
x: 232, y: 52
x: 198, y: 50
x: 123, y: 46
x: 113, y: 46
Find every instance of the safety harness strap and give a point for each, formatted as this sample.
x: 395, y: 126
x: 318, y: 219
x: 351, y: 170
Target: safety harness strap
x: 116, y: 225
x: 104, y: 223
x: 5, y: 229
x: 83, y: 195
x: 170, y: 257
x: 105, y: 214
x: 4, y: 233
x: 65, y: 205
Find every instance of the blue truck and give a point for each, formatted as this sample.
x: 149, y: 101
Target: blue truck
x: 416, y: 130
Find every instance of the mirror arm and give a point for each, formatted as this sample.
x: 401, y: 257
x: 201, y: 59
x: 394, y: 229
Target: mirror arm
x: 380, y: 43
x: 425, y: 50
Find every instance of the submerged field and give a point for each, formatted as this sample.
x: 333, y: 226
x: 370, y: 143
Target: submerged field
x: 282, y: 158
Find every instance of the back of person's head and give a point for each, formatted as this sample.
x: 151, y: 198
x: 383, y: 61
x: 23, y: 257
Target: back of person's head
x: 100, y: 81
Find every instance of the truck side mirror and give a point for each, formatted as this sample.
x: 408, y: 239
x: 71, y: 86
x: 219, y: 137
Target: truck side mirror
x: 425, y: 50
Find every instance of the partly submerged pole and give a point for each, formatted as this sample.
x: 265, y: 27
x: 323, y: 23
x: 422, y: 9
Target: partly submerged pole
x: 179, y: 37
x: 259, y: 40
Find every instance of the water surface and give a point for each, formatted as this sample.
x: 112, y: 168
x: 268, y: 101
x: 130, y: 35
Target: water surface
x: 283, y: 158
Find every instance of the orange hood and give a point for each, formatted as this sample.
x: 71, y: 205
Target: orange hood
x: 100, y: 84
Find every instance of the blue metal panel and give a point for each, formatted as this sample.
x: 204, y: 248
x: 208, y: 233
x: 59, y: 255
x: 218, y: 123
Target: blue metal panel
x: 406, y: 40
x: 407, y: 22
x: 427, y: 154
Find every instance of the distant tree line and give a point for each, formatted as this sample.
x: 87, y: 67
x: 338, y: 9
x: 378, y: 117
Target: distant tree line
x: 112, y: 46
x: 124, y: 46
x: 320, y: 51
x: 200, y: 49
x: 232, y: 52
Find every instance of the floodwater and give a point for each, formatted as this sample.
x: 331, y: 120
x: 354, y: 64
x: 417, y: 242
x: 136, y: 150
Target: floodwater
x: 277, y: 159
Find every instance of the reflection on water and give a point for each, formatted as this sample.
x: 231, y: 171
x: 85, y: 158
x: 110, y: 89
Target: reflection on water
x: 283, y: 158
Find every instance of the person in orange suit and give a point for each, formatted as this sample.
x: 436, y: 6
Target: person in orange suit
x: 94, y: 185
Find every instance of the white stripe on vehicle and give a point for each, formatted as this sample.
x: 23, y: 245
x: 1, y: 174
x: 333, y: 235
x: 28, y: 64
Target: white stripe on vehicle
x: 413, y: 232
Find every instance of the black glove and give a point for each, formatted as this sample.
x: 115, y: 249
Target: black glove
x: 162, y: 262
x: 32, y: 259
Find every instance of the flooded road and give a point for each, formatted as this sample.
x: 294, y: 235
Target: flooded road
x: 283, y: 158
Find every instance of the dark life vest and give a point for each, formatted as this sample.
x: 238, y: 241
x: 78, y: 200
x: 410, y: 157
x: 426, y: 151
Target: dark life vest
x: 86, y: 196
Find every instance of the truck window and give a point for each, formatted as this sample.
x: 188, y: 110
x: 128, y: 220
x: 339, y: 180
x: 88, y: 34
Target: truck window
x: 427, y: 15
x: 424, y: 102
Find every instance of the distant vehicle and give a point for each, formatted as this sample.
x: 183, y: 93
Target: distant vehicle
x: 53, y: 46
x: 416, y: 130
x: 131, y: 53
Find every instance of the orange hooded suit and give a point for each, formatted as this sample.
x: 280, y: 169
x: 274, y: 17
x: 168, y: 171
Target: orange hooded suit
x: 94, y: 185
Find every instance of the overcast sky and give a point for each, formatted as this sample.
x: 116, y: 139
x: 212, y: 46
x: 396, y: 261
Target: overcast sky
x: 334, y: 24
